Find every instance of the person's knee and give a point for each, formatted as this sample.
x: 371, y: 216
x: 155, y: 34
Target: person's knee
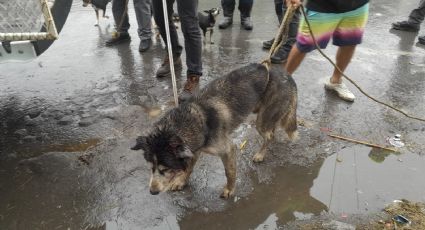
x: 190, y: 26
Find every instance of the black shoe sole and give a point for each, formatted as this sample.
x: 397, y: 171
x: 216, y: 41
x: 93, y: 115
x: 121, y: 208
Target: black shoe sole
x: 224, y: 27
x: 266, y: 47
x: 117, y: 42
x: 141, y: 50
x: 144, y: 49
x: 176, y: 68
x: 405, y: 29
x: 274, y: 61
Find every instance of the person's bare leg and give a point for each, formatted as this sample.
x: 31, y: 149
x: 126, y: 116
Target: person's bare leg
x: 343, y: 58
x: 294, y: 60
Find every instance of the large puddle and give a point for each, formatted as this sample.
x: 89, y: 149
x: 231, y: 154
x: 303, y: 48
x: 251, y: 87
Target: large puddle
x: 355, y: 180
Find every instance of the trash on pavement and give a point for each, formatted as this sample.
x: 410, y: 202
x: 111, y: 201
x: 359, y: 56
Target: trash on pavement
x: 396, y: 141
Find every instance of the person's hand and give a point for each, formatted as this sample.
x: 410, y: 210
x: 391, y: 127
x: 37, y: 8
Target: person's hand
x: 295, y: 3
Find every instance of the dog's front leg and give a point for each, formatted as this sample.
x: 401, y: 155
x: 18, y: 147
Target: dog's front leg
x: 181, y: 179
x: 104, y: 14
x: 229, y: 162
x: 211, y: 32
x: 97, y: 18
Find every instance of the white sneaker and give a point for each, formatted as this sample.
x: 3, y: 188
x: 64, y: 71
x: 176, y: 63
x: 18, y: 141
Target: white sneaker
x: 341, y: 89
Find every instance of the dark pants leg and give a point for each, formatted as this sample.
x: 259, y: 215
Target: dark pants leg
x: 282, y: 54
x: 228, y: 7
x: 188, y: 13
x: 143, y: 10
x: 278, y: 7
x: 159, y: 19
x: 417, y: 15
x: 245, y: 7
x: 293, y: 28
x: 118, y: 7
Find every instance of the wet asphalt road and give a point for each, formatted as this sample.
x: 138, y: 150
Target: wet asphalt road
x: 68, y: 118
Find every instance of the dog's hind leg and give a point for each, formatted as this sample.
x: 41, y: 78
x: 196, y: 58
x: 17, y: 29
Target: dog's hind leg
x: 289, y: 122
x: 229, y: 162
x: 268, y: 137
x: 265, y: 125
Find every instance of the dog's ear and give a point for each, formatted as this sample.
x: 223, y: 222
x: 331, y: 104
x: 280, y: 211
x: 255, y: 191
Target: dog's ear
x: 140, y: 143
x: 206, y: 11
x: 178, y: 148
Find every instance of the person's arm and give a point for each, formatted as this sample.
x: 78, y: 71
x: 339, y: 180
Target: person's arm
x: 295, y: 3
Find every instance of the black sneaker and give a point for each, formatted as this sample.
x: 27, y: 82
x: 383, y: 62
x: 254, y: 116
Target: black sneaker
x: 406, y: 26
x: 268, y: 44
x: 145, y: 45
x: 121, y: 38
x: 226, y: 22
x: 164, y: 70
x: 421, y: 40
x: 246, y: 23
x: 280, y: 56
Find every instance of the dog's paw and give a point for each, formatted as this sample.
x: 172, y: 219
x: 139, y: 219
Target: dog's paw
x: 227, y: 193
x: 96, y: 24
x: 106, y: 16
x: 178, y: 184
x: 258, y: 157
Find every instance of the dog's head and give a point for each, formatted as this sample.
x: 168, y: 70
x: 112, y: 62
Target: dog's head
x: 214, y: 12
x: 86, y: 2
x: 167, y: 155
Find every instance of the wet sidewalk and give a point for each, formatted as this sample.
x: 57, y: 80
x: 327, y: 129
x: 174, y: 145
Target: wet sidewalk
x: 69, y: 117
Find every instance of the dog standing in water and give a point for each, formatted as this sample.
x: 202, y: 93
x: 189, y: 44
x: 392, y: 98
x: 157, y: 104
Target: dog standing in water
x: 204, y: 125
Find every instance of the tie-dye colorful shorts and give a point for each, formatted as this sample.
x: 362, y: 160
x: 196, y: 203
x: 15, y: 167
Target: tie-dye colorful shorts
x: 346, y: 29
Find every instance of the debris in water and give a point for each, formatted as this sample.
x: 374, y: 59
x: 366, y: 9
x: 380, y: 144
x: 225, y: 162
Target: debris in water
x: 361, y: 142
x: 396, y: 141
x: 397, y: 213
x: 242, y: 145
x: 401, y: 219
x: 86, y: 159
x: 325, y: 129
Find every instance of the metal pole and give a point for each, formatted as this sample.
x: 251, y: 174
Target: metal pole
x: 170, y: 51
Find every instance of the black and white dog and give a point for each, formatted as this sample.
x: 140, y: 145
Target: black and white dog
x: 97, y: 5
x: 207, y: 22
